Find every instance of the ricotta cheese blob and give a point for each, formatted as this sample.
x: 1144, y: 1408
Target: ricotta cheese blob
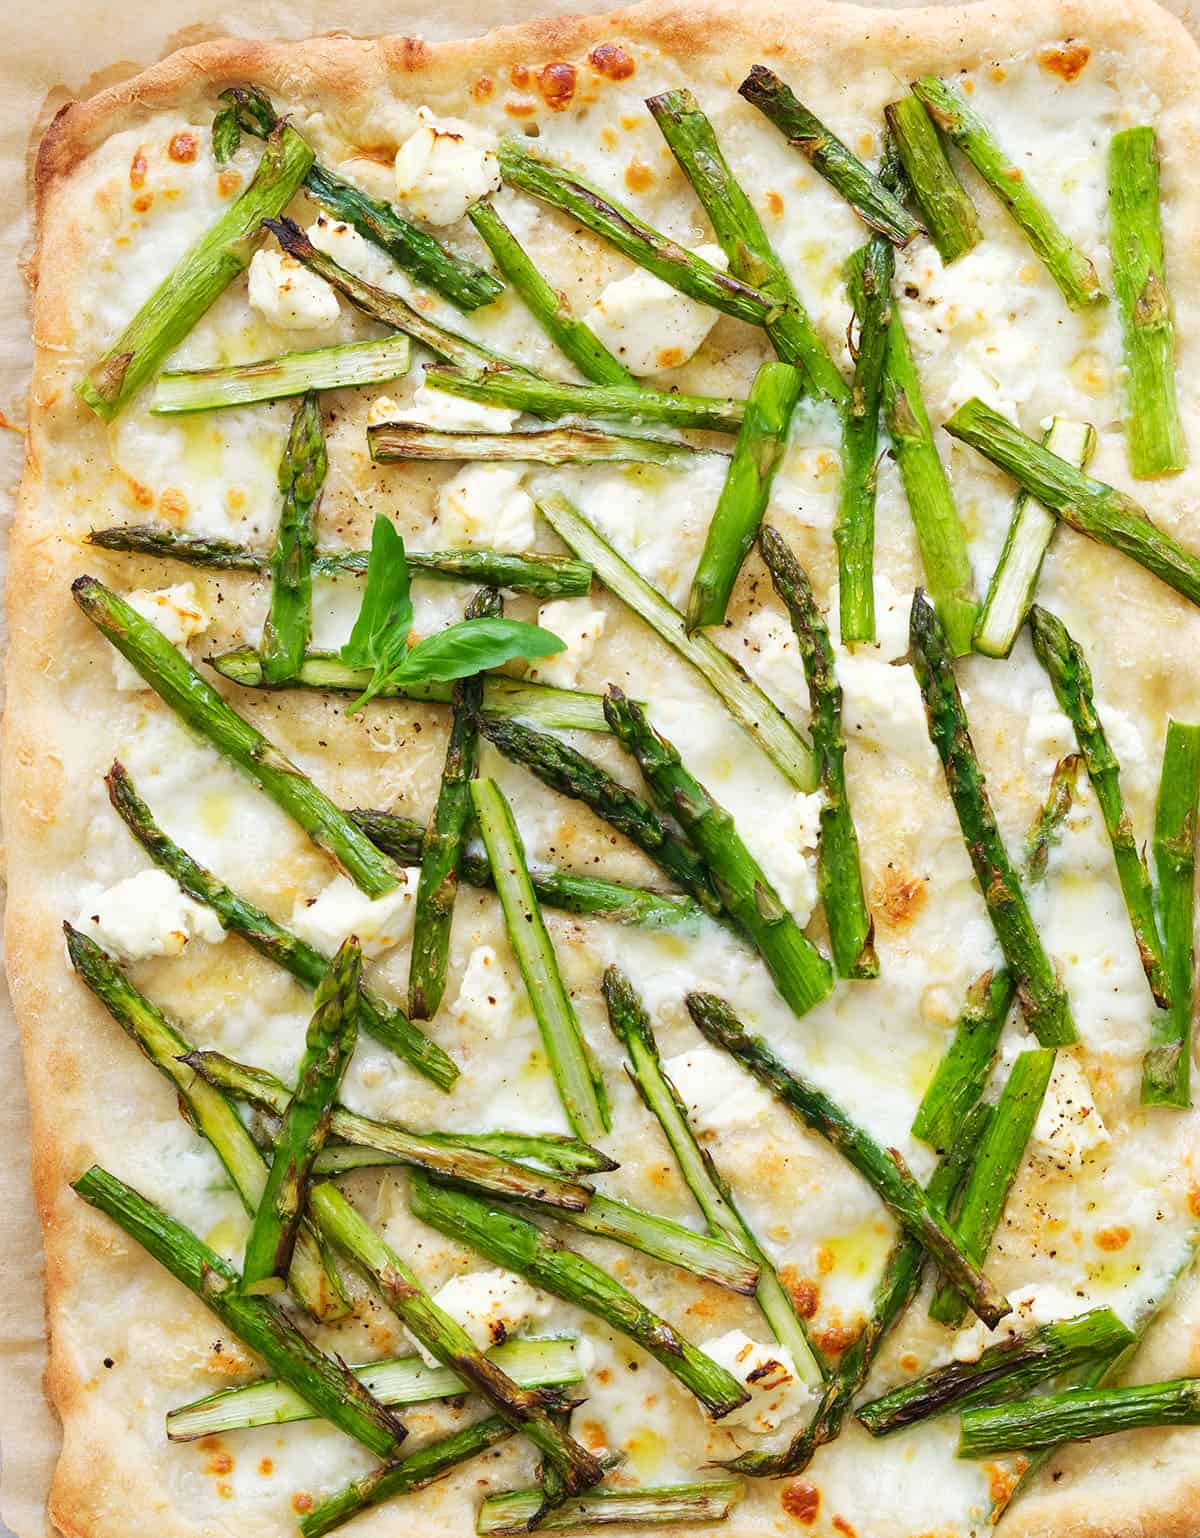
x: 442, y: 168
x: 287, y: 294
x: 491, y: 1306
x: 487, y: 505
x: 1035, y: 1304
x: 176, y: 611
x: 718, y: 1097
x: 147, y: 915
x: 485, y: 996
x: 650, y: 326
x: 777, y: 1393
x: 1069, y: 1128
x: 341, y: 910
x: 574, y: 621
x: 451, y: 413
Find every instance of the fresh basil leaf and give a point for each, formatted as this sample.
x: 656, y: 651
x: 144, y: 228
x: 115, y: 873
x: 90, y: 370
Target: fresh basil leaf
x: 473, y: 646
x: 379, y: 639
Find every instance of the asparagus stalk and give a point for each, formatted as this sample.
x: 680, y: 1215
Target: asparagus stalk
x: 1043, y: 1001
x: 301, y: 477
x: 580, y: 1084
x: 199, y: 706
x: 1077, y: 1414
x: 511, y: 1241
x: 381, y: 1021
x: 761, y: 444
x: 1153, y: 430
x: 573, y: 337
x: 799, y: 970
x: 1071, y: 679
x: 316, y: 1286
x: 967, y: 1062
x: 549, y: 1362
x: 570, y: 773
x: 894, y: 1291
x: 197, y: 279
x: 875, y: 203
x: 526, y: 1410
x: 714, y: 1197
x: 393, y: 441
x: 553, y: 399
x: 546, y: 576
x: 883, y: 1168
x: 995, y: 1168
x: 445, y: 838
x: 383, y: 305
x: 1010, y: 593
x: 323, y: 1382
x: 275, y: 379
x: 410, y: 247
x: 1042, y: 1353
x: 839, y: 876
x: 941, y: 537
x: 516, y: 1511
x: 589, y: 895
x: 465, y: 1157
x: 1166, y: 1067
x: 329, y: 1045
x: 735, y: 221
x: 1046, y: 828
x: 1064, y: 261
x: 946, y: 208
x: 565, y: 709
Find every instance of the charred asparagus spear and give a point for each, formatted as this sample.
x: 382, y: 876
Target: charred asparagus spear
x: 197, y: 279
x: 1153, y: 431
x: 839, y: 876
x: 709, y: 1500
x: 329, y: 1045
x: 1047, y: 827
x: 1039, y: 992
x: 275, y: 379
x: 875, y: 203
x: 963, y: 126
x: 1166, y: 1067
x: 390, y: 442
x: 1076, y: 1415
x: 738, y: 228
x: 963, y: 1071
x: 798, y: 968
x: 882, y: 1168
x: 760, y: 447
x: 946, y: 208
x: 301, y: 477
x: 1071, y: 679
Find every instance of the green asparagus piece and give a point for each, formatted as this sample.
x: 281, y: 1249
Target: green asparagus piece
x: 554, y: 398
x: 799, y: 970
x: 396, y: 441
x: 410, y: 247
x: 946, y: 208
x: 274, y: 379
x: 226, y: 136
x: 876, y: 204
x: 384, y: 306
x: 464, y: 1157
x: 1071, y: 679
x: 564, y: 709
x: 522, y: 1247
x: 839, y: 876
x: 1077, y: 1414
x: 301, y: 477
x: 382, y: 1021
x: 709, y: 1500
x: 894, y: 1291
x: 761, y: 444
x: 1027, y: 1359
x: 526, y: 1410
x: 445, y: 838
x: 573, y: 337
x: 1047, y: 826
x: 197, y: 279
x: 714, y: 1197
x: 1064, y: 261
x: 963, y: 1071
x: 941, y: 537
x: 882, y: 1168
x: 738, y: 228
x: 329, y: 1045
x: 1153, y: 430
x: 570, y: 773
x: 323, y: 1382
x: 580, y: 1084
x: 1166, y: 1067
x: 995, y: 1168
x: 208, y: 1110
x: 1043, y: 1001
x: 200, y: 707
x: 1010, y: 593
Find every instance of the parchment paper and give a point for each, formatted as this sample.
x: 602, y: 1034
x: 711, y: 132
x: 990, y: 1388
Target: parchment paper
x: 53, y: 52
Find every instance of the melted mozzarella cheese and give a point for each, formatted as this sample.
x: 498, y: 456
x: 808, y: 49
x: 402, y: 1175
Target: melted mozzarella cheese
x: 487, y: 505
x: 486, y: 998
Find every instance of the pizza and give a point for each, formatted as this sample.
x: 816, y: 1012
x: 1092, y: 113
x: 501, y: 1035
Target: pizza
x: 601, y: 778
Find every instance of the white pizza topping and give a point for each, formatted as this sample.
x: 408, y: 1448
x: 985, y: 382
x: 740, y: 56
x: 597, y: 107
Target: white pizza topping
x: 451, y: 413
x: 485, y: 996
x: 352, y: 251
x: 650, y: 326
x: 176, y: 611
x: 491, y: 1306
x: 1069, y: 1128
x: 717, y: 1096
x: 442, y: 168
x: 788, y: 852
x: 147, y: 915
x: 773, y: 658
x: 341, y: 910
x: 574, y: 621
x: 1035, y: 1304
x: 777, y: 1393
x: 487, y: 505
x: 287, y: 294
